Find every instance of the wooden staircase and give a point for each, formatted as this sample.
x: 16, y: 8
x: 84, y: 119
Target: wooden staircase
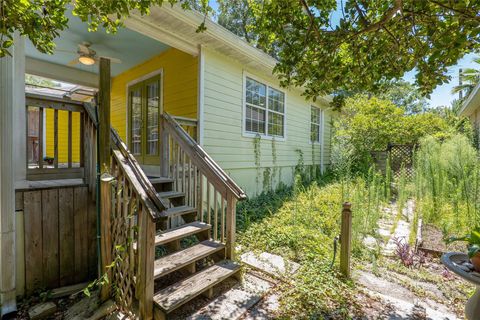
x: 185, y: 259
x: 166, y: 239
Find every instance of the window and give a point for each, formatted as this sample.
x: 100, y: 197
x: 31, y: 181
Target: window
x: 264, y: 110
x: 315, y: 124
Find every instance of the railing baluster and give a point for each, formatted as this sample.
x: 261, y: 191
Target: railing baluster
x: 55, y: 138
x: 183, y: 171
x: 40, y: 137
x: 70, y: 139
x: 177, y: 166
x: 223, y: 219
x: 215, y: 217
x: 189, y: 182
x: 82, y: 139
x: 200, y: 196
x: 194, y: 189
x: 208, y: 203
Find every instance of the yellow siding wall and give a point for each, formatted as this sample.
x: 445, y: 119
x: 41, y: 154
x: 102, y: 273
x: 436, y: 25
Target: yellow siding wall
x: 62, y: 135
x: 179, y: 86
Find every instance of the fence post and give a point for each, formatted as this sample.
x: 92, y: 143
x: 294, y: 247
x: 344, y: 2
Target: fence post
x: 106, y: 181
x: 346, y: 239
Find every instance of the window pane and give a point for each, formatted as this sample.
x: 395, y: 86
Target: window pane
x: 276, y: 100
x: 255, y: 93
x: 275, y: 124
x: 153, y: 109
x: 136, y: 129
x: 315, y: 115
x: 255, y: 120
x: 315, y: 133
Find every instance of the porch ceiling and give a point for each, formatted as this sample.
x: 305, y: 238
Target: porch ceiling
x: 131, y: 47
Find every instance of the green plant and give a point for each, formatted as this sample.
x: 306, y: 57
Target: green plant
x: 257, y: 154
x: 447, y: 180
x: 472, y: 239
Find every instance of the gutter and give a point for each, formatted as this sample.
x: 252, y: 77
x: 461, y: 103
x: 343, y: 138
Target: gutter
x: 468, y: 101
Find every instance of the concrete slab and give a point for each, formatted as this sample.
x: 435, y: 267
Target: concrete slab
x: 235, y: 302
x: 271, y: 264
x: 264, y: 310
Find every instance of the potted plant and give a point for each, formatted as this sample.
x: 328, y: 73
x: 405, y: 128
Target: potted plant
x: 473, y: 241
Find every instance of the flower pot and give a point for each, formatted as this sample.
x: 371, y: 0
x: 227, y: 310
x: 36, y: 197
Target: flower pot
x: 476, y: 261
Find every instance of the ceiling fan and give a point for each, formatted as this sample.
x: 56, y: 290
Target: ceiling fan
x: 88, y: 56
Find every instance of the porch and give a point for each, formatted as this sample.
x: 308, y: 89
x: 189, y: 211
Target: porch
x: 131, y: 118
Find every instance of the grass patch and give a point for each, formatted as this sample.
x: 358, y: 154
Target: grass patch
x: 300, y: 224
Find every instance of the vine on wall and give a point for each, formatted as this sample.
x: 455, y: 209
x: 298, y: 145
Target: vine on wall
x: 257, y: 154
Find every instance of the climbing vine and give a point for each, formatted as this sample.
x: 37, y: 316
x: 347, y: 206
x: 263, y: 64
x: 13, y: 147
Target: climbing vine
x: 257, y: 154
x: 274, y: 162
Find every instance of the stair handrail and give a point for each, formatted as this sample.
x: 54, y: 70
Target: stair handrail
x: 147, y: 215
x: 176, y: 129
x: 133, y: 163
x: 139, y: 173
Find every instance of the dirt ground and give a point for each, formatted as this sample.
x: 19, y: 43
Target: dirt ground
x: 432, y: 239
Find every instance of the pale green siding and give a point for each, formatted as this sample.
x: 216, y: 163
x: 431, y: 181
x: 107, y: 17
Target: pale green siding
x: 223, y: 138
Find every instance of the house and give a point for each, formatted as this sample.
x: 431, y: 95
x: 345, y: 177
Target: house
x: 471, y: 108
x: 199, y: 122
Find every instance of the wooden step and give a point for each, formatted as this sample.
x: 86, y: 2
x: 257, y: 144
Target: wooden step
x: 170, y: 194
x: 160, y: 180
x: 186, y: 257
x: 177, y: 211
x: 185, y: 290
x: 162, y: 183
x: 181, y: 232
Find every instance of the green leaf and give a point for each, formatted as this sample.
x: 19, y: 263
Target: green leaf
x: 473, y: 250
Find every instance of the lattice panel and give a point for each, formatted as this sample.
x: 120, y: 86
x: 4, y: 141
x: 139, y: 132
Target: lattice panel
x: 401, y: 158
x: 124, y: 235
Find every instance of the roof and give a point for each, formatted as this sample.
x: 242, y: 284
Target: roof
x: 471, y: 103
x: 178, y: 28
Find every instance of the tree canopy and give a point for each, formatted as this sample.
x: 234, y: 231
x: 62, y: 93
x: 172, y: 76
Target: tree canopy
x: 322, y: 45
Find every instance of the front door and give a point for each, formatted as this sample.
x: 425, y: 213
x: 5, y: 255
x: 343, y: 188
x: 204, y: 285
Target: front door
x: 144, y: 120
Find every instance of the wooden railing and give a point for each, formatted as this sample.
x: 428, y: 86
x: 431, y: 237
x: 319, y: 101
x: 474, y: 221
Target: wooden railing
x: 128, y: 231
x: 40, y: 167
x: 189, y: 125
x: 206, y: 186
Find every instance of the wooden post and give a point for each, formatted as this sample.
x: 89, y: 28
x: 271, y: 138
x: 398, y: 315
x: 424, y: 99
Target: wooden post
x: 165, y: 148
x: 104, y: 115
x: 106, y: 181
x: 346, y: 239
x: 231, y: 226
x: 146, y: 256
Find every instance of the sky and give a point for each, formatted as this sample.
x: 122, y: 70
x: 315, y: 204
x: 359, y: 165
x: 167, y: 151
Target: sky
x: 442, y: 95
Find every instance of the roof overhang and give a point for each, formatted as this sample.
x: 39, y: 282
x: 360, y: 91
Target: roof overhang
x: 471, y: 103
x: 177, y: 27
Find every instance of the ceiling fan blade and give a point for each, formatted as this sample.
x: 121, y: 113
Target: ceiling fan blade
x: 73, y: 62
x: 114, y: 60
x: 85, y: 49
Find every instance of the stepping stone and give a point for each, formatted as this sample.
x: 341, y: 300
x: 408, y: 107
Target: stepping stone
x: 42, y: 310
x: 271, y: 264
x: 236, y: 301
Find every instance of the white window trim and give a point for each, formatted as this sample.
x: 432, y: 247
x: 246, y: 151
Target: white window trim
x: 127, y: 89
x: 320, y: 127
x: 265, y: 136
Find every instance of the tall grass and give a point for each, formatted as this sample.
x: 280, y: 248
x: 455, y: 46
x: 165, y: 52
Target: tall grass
x: 447, y: 184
